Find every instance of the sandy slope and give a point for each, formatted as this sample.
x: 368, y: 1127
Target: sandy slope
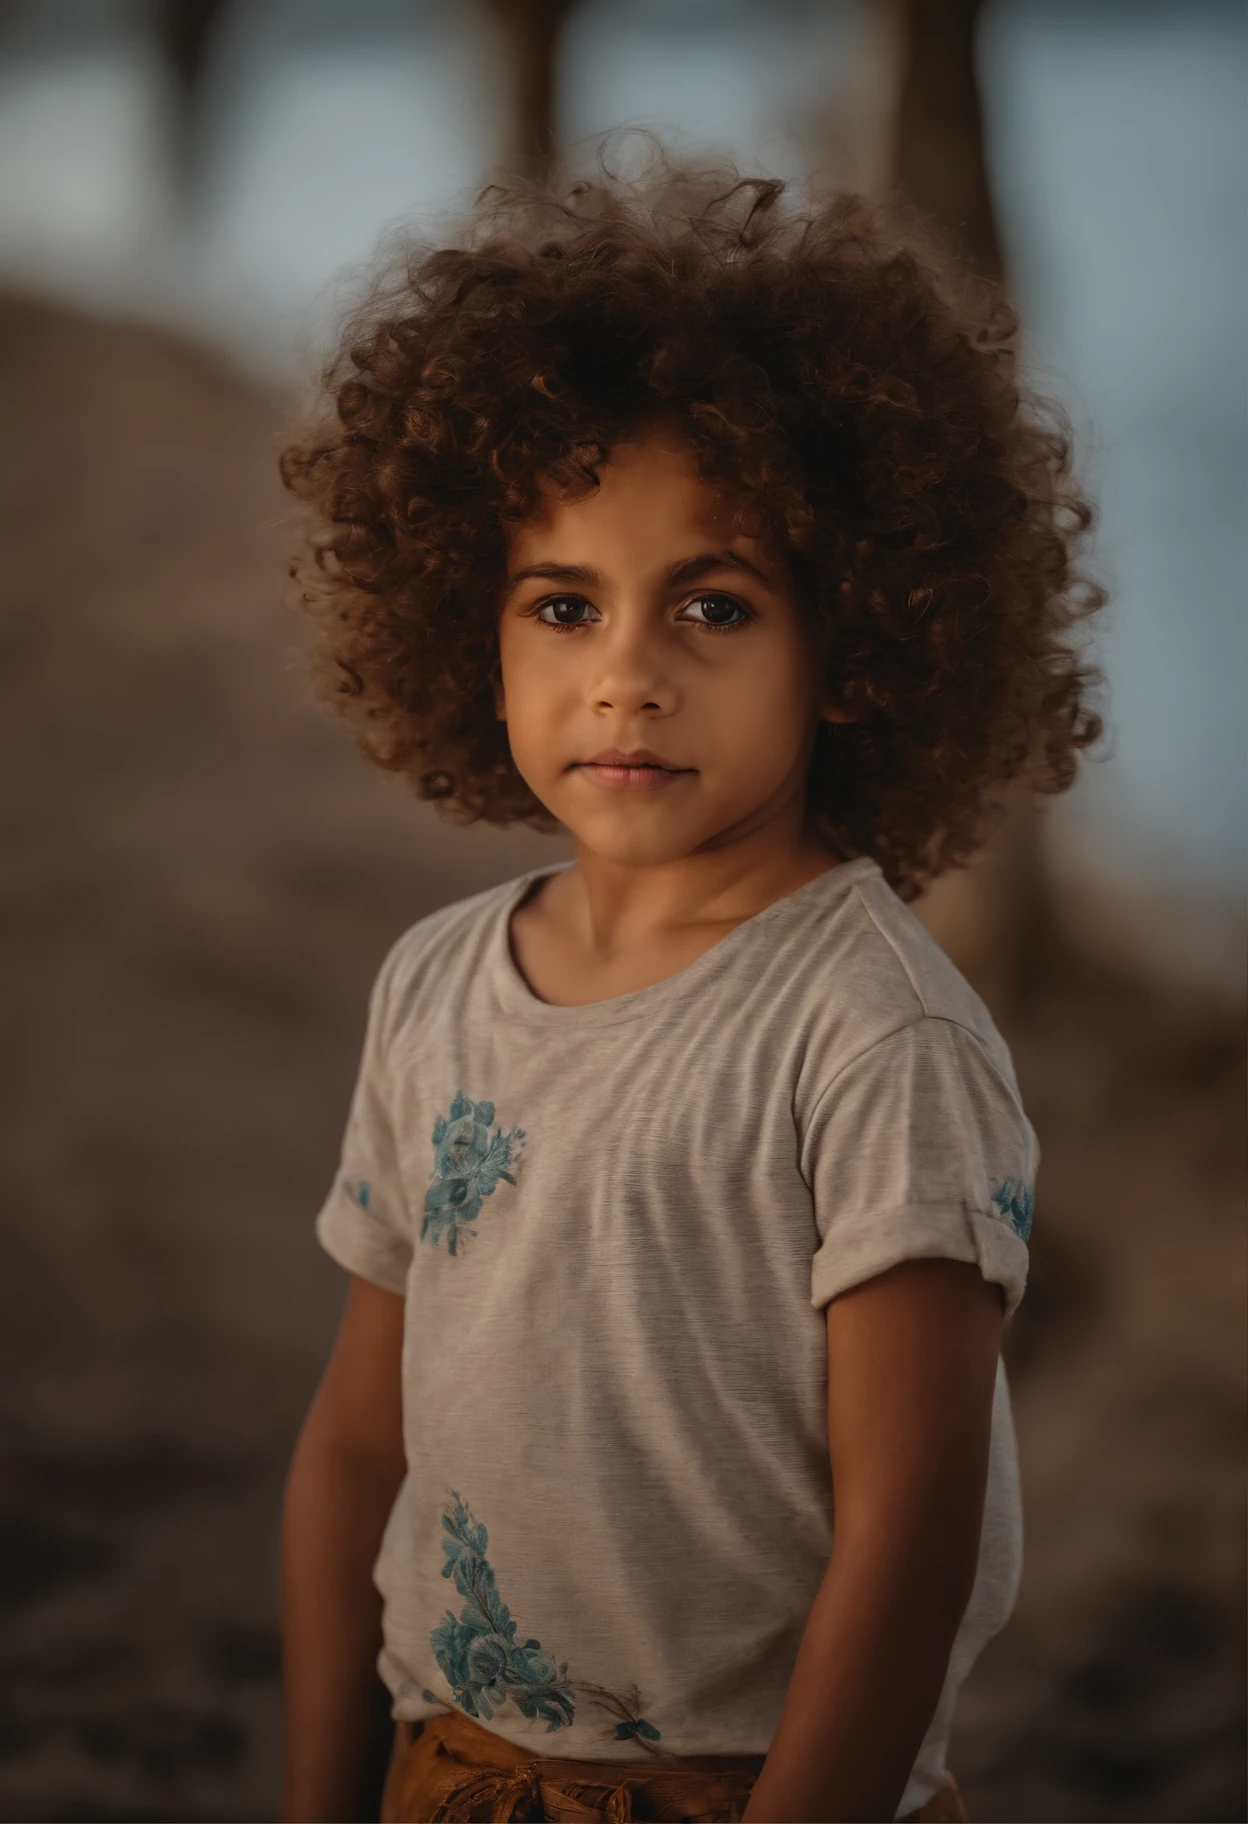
x: 200, y: 880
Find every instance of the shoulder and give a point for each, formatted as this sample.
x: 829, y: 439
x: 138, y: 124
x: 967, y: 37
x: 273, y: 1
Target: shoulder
x: 870, y: 974
x: 902, y: 977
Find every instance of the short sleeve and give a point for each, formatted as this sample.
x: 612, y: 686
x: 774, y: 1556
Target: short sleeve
x: 920, y: 1148
x: 363, y: 1223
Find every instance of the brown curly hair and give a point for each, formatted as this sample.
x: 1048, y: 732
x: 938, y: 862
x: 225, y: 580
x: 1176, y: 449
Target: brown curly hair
x: 826, y: 369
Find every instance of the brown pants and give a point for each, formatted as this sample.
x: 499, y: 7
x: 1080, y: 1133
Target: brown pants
x: 450, y: 1768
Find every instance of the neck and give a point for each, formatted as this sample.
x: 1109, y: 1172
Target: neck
x: 617, y: 904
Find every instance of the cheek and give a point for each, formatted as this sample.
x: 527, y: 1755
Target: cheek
x: 515, y: 675
x: 766, y: 701
x: 529, y: 693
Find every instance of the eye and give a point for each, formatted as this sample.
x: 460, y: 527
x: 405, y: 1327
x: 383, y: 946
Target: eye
x: 719, y: 613
x: 565, y: 611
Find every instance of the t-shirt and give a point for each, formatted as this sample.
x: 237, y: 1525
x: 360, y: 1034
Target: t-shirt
x: 615, y: 1227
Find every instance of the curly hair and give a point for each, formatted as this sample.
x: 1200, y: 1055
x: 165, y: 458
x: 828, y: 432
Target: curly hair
x: 825, y: 368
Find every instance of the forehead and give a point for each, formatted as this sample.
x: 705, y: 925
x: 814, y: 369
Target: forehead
x: 651, y: 502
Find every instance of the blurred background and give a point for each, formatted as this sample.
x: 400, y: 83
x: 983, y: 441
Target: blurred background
x: 201, y: 876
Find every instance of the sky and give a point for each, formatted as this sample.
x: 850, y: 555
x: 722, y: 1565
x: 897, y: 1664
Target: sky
x: 1117, y: 150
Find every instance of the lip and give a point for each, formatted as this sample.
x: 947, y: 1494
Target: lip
x: 635, y: 756
x: 638, y: 770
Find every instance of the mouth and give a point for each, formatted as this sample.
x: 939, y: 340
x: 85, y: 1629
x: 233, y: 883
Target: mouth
x: 638, y: 771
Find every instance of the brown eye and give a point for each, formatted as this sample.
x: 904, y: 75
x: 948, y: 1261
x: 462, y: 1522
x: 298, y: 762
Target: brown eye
x: 564, y: 611
x: 720, y: 612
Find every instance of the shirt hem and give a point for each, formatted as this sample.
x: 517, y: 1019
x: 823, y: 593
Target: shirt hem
x: 949, y: 1232
x: 345, y: 1245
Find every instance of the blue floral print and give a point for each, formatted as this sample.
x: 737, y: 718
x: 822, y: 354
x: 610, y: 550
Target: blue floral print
x: 637, y: 1726
x: 468, y: 1162
x: 626, y: 1705
x: 1014, y: 1204
x: 477, y: 1652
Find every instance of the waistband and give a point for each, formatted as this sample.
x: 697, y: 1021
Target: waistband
x: 450, y: 1769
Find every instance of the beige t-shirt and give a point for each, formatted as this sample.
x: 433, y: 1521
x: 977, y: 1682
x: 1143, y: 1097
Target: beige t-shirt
x: 616, y: 1227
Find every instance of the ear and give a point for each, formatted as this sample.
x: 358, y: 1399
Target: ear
x: 835, y: 712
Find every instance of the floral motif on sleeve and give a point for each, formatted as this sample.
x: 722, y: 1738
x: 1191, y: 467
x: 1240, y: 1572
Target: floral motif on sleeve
x: 468, y: 1163
x: 477, y: 1651
x: 1014, y: 1204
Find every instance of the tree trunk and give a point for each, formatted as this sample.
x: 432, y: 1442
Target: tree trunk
x: 938, y: 156
x: 989, y: 915
x: 185, y: 29
x: 533, y: 28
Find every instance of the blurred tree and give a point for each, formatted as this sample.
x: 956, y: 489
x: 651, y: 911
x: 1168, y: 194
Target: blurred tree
x: 533, y: 29
x: 938, y: 154
x: 993, y: 916
x: 185, y: 30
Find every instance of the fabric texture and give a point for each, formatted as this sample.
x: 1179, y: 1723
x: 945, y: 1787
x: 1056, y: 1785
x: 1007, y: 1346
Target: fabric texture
x: 616, y: 1228
x: 452, y: 1769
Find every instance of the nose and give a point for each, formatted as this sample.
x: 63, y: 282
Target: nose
x: 632, y: 676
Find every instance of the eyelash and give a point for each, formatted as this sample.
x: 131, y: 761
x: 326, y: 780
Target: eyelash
x: 706, y: 595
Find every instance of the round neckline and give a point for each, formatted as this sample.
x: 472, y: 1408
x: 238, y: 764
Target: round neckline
x: 517, y: 999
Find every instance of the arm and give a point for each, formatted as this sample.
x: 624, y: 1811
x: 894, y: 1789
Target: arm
x: 912, y: 1360
x: 345, y: 1474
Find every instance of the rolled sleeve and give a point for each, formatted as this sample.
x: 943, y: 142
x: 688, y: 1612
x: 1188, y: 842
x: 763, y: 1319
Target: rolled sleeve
x: 920, y: 1149
x: 364, y: 1223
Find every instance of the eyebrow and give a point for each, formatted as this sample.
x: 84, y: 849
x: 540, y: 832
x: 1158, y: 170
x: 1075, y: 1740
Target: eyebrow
x: 688, y: 570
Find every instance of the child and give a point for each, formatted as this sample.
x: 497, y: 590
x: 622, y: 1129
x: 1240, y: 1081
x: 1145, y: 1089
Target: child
x: 686, y: 1187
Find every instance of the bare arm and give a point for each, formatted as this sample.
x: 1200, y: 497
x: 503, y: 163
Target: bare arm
x: 345, y: 1474
x: 912, y: 1359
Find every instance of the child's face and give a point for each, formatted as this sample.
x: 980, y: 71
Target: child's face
x: 638, y: 626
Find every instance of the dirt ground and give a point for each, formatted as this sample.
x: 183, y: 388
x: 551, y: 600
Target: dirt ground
x: 201, y: 878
